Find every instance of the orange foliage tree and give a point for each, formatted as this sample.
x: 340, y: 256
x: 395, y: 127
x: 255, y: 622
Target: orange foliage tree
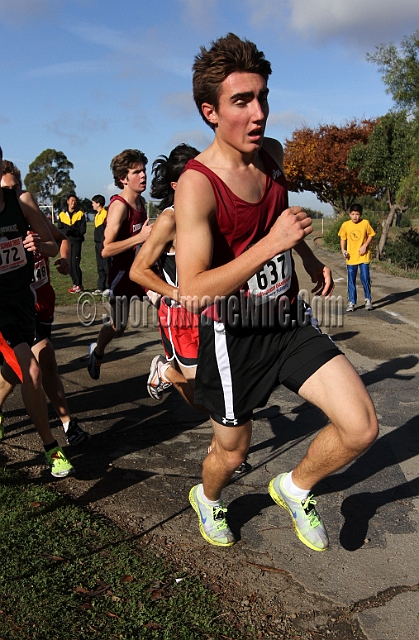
x: 315, y: 160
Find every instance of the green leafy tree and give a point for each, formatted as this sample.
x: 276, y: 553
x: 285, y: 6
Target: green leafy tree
x: 48, y: 178
x: 384, y: 160
x: 85, y: 205
x: 399, y: 67
x: 408, y: 192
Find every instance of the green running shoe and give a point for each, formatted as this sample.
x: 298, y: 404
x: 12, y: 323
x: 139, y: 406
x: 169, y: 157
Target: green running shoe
x: 2, y: 421
x: 307, y: 523
x: 212, y: 521
x: 60, y: 465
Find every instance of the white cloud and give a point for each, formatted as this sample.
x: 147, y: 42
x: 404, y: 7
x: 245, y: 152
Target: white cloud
x: 135, y: 52
x: 110, y: 189
x: 179, y: 105
x: 364, y: 22
x: 23, y: 10
x: 290, y: 119
x: 102, y: 36
x: 359, y: 23
x: 266, y: 13
x: 195, y: 137
x: 75, y: 130
x: 200, y: 14
x: 76, y: 67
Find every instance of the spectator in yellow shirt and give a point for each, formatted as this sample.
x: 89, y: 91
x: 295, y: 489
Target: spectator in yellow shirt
x: 355, y: 237
x: 98, y: 204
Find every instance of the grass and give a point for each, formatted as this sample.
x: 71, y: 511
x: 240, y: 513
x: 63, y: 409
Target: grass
x: 67, y: 573
x: 394, y: 270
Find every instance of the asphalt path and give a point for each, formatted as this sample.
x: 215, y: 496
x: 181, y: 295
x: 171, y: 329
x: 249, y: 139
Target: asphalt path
x: 144, y: 456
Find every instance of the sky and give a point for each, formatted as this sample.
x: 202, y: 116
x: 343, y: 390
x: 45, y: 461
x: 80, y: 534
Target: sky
x: 93, y: 77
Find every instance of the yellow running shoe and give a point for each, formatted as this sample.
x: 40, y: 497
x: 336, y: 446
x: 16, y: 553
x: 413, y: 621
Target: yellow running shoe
x: 212, y: 520
x: 307, y: 523
x: 60, y: 465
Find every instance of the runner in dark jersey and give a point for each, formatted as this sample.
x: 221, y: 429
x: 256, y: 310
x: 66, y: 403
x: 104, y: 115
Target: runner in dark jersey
x: 126, y: 229
x: 44, y: 308
x: 17, y: 311
x: 235, y: 236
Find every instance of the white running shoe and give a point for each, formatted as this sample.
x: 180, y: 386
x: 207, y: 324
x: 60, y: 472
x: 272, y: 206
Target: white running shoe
x: 307, y: 523
x: 212, y: 520
x: 155, y: 383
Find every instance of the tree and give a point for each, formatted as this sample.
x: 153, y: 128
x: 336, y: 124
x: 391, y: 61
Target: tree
x: 408, y: 192
x: 385, y: 160
x: 316, y: 160
x: 48, y: 178
x: 399, y: 67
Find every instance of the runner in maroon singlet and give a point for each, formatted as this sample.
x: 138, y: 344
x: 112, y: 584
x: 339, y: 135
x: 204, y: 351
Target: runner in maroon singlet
x: 235, y: 235
x: 127, y: 227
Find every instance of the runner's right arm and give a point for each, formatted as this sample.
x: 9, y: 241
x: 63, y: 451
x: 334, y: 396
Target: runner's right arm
x: 162, y: 234
x: 39, y: 238
x: 117, y: 213
x: 195, y: 206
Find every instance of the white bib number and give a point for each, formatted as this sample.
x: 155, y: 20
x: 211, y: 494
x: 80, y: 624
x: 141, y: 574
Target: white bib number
x: 12, y: 255
x: 273, y: 280
x: 40, y: 274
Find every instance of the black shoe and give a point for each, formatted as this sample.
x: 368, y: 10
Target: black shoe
x: 74, y: 434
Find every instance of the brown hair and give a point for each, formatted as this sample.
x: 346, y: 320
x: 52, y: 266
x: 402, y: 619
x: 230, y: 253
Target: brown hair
x: 124, y: 161
x: 212, y: 66
x: 9, y: 167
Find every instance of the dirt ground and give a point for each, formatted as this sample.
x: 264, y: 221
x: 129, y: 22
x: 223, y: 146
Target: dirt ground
x: 144, y: 456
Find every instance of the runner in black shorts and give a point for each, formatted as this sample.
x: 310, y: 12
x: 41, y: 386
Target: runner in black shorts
x: 23, y: 233
x: 44, y: 293
x: 235, y: 236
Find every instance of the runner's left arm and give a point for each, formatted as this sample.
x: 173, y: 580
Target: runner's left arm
x: 63, y: 262
x: 319, y: 273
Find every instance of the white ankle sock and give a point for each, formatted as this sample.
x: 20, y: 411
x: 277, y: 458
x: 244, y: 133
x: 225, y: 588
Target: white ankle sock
x: 292, y: 488
x: 203, y: 497
x: 65, y: 426
x: 162, y: 368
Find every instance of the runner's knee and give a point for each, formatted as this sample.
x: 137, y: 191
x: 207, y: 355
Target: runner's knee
x: 360, y: 429
x: 232, y: 459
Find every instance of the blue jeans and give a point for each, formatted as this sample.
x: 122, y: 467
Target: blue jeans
x: 364, y: 272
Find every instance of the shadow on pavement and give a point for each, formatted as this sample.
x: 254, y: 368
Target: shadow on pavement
x: 395, y: 447
x: 393, y: 298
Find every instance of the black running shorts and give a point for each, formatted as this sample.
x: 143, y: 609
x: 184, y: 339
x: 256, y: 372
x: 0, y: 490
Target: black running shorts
x: 239, y: 368
x: 17, y: 318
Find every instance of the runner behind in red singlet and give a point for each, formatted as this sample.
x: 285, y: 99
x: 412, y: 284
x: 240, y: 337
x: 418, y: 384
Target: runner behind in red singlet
x: 127, y: 227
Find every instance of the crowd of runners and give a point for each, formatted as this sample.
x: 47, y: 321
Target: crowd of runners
x: 218, y: 265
